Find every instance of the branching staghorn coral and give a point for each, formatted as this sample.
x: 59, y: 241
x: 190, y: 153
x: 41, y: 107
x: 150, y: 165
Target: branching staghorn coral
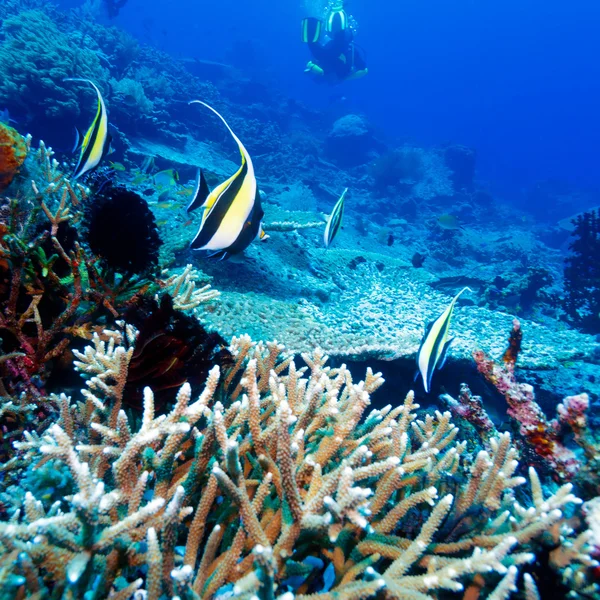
x: 54, y: 193
x: 274, y: 482
x: 182, y: 288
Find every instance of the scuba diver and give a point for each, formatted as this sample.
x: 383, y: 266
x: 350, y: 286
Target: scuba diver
x: 338, y: 59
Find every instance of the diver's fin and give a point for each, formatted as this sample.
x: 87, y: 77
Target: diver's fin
x: 201, y: 192
x: 78, y: 140
x: 311, y: 30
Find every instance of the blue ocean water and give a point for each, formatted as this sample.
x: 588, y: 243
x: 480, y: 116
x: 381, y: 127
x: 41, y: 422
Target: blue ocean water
x: 518, y: 81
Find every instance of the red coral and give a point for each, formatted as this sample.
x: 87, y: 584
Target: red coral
x: 514, y: 344
x: 13, y: 152
x: 542, y: 436
x: 572, y: 412
x: 470, y: 408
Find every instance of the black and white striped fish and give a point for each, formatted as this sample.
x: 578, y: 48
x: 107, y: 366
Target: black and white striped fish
x: 96, y: 142
x: 334, y: 222
x: 435, y: 345
x: 233, y: 213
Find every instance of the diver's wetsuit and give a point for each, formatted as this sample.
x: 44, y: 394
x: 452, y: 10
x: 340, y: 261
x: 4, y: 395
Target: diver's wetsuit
x: 339, y: 58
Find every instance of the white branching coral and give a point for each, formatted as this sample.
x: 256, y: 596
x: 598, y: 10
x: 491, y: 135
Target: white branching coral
x: 182, y: 288
x: 274, y: 477
x: 56, y: 195
x: 106, y: 363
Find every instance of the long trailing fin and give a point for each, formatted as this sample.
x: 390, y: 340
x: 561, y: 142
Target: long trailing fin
x: 87, y: 81
x: 465, y: 289
x: 241, y: 146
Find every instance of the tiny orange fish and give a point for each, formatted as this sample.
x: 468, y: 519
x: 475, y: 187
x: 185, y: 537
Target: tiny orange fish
x: 187, y: 223
x: 185, y: 192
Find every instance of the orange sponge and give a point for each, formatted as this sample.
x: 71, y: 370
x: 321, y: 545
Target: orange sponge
x: 13, y: 152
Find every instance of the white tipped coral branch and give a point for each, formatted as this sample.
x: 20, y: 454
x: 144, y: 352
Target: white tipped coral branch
x: 54, y: 192
x: 107, y: 364
x: 182, y: 288
x: 284, y: 226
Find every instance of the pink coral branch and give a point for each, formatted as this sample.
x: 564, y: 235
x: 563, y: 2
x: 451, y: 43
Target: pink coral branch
x: 542, y: 436
x: 470, y: 408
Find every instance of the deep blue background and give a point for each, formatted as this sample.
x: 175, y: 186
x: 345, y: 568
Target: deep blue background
x: 519, y: 80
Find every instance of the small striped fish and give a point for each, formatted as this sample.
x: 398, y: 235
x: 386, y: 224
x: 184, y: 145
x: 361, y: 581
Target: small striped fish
x: 435, y: 345
x: 96, y: 142
x: 334, y: 222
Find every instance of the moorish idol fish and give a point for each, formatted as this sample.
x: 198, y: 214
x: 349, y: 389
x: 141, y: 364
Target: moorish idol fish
x: 96, y: 142
x: 233, y: 213
x: 434, y: 347
x: 334, y: 221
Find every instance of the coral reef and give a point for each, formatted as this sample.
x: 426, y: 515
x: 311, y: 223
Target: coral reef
x: 469, y: 407
x: 461, y: 162
x: 172, y: 348
x: 36, y: 54
x: 397, y: 169
x: 413, y: 171
x: 53, y: 289
x: 274, y: 480
x: 350, y: 141
x: 188, y: 467
x: 582, y: 293
x: 35, y: 305
x: 132, y: 93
